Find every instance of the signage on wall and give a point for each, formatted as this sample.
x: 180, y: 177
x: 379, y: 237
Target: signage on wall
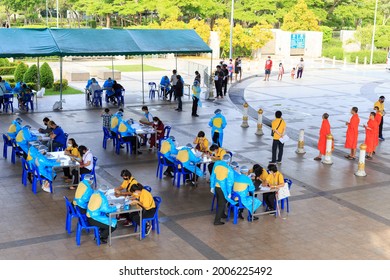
x: 297, y: 41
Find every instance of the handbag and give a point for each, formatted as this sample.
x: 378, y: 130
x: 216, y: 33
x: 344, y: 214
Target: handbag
x: 283, y: 192
x: 272, y: 132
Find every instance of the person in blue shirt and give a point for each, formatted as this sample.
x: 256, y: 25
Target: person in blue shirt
x: 97, y: 213
x: 217, y: 124
x: 58, y: 137
x: 165, y: 86
x: 190, y: 162
x: 169, y: 151
x: 14, y: 128
x: 110, y: 93
x: 83, y: 193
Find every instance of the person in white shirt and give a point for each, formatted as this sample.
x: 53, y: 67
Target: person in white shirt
x: 86, y: 165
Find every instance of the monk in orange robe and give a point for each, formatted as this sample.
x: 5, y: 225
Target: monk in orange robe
x: 371, y: 130
x: 352, y: 133
x: 324, y: 131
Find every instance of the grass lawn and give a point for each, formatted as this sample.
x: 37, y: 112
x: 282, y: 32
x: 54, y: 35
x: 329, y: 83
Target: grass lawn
x: 136, y: 68
x: 69, y: 90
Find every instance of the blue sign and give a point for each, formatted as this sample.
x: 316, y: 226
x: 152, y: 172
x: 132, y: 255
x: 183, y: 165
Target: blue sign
x: 297, y: 41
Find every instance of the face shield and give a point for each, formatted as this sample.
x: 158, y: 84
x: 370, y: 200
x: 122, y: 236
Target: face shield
x: 90, y: 179
x: 226, y: 158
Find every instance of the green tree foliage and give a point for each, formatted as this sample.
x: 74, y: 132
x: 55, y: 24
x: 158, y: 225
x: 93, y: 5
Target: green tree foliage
x: 300, y: 17
x: 326, y: 33
x: 201, y: 27
x: 19, y: 71
x: 47, y: 77
x: 31, y: 75
x: 4, y: 62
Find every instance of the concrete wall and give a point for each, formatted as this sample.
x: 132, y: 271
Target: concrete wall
x: 214, y: 44
x: 313, y: 44
x: 350, y: 44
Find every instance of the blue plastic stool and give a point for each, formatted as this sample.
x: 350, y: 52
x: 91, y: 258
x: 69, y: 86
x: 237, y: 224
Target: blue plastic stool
x: 7, y: 143
x: 70, y: 214
x: 236, y: 207
x: 153, y: 220
x: 83, y: 224
x: 25, y: 171
x: 162, y: 161
x: 180, y: 171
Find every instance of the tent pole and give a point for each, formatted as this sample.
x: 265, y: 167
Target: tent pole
x: 143, y: 93
x: 176, y: 61
x: 211, y: 93
x: 61, y: 81
x: 112, y: 62
x: 39, y: 84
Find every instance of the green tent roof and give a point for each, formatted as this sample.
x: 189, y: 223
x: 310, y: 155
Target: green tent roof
x: 93, y: 42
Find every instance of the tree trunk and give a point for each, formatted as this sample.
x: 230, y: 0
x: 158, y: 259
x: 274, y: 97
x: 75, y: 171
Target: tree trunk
x: 108, y: 20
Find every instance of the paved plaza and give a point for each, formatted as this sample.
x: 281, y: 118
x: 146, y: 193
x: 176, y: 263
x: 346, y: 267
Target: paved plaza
x: 333, y: 215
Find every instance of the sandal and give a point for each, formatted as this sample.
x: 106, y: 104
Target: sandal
x: 317, y: 158
x: 72, y: 188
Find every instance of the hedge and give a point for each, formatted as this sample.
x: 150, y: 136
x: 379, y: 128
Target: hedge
x: 8, y: 70
x: 31, y: 75
x: 56, y: 85
x: 47, y: 77
x: 379, y: 56
x: 30, y: 85
x: 20, y: 70
x: 333, y: 51
x: 4, y: 62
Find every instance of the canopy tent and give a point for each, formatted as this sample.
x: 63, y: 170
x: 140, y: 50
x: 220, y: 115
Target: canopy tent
x: 95, y: 42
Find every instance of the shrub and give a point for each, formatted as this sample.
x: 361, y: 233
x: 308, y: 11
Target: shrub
x: 31, y: 75
x: 333, y: 51
x: 92, y: 23
x: 9, y: 70
x: 378, y: 57
x: 19, y: 71
x: 47, y: 77
x: 56, y: 85
x: 326, y: 33
x: 4, y: 62
x: 9, y: 79
x: 32, y: 86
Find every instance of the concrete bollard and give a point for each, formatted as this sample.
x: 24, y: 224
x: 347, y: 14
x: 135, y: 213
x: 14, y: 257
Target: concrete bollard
x: 345, y: 61
x: 365, y: 60
x: 245, y: 116
x: 301, y: 142
x: 259, y: 122
x: 362, y: 161
x: 328, y: 153
x: 357, y: 60
x: 334, y: 60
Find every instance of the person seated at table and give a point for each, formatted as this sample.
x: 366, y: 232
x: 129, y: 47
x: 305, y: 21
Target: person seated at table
x: 86, y: 165
x: 24, y: 96
x: 190, y: 163
x: 116, y: 119
x: 159, y: 127
x: 58, y: 137
x: 217, y: 153
x: 202, y: 144
x: 23, y: 137
x: 72, y: 150
x: 83, y: 193
x: 93, y: 87
x: 145, y: 200
x: 14, y: 128
x: 45, y: 167
x: 128, y: 181
x: 47, y: 128
x: 108, y: 86
x: 148, y: 117
x: 118, y: 88
x: 97, y: 213
x: 274, y: 180
x: 32, y: 154
x: 165, y: 86
x: 128, y: 134
x: 259, y: 175
x: 169, y: 151
x: 243, y: 187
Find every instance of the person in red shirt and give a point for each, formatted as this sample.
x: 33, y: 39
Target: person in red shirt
x: 268, y: 67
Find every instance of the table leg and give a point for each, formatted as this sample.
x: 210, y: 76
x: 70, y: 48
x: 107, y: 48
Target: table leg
x: 109, y: 230
x: 140, y: 225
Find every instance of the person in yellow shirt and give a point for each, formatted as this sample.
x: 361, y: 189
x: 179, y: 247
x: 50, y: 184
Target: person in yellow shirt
x: 72, y: 151
x: 381, y: 105
x: 274, y: 180
x: 128, y: 181
x: 201, y: 142
x: 217, y: 153
x: 144, y: 199
x: 258, y: 175
x: 278, y: 130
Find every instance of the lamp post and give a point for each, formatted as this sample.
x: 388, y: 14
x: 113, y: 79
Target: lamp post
x: 47, y: 20
x: 373, y: 33
x: 57, y: 13
x: 231, y: 31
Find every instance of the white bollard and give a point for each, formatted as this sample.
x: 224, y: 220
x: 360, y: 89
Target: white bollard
x: 345, y: 61
x: 245, y: 116
x: 357, y: 60
x: 334, y: 60
x: 301, y: 142
x: 328, y: 153
x: 362, y: 161
x: 365, y: 60
x: 323, y: 61
x: 259, y: 123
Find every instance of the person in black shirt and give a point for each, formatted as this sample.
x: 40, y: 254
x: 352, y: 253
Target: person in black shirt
x: 225, y: 71
x: 179, y: 93
x: 218, y: 80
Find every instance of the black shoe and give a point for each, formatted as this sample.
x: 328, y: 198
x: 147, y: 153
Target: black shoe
x: 195, y: 115
x: 138, y: 153
x: 255, y: 218
x: 224, y: 216
x: 122, y: 147
x: 218, y: 223
x: 103, y: 240
x: 241, y: 216
x: 177, y: 109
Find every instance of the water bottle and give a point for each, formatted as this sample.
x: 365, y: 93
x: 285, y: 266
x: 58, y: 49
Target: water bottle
x: 126, y: 205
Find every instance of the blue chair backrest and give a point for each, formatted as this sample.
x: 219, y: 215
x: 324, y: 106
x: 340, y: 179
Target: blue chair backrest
x: 161, y: 158
x: 157, y: 201
x: 234, y: 196
x: 98, y: 93
x: 149, y: 189
x: 95, y: 159
x: 6, y: 140
x: 152, y: 85
x: 106, y: 132
x: 82, y: 218
x: 167, y: 131
x: 25, y: 164
x: 69, y: 206
x: 289, y: 182
x: 8, y: 97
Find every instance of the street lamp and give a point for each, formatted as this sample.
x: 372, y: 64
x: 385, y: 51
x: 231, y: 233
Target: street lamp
x: 57, y: 13
x: 47, y: 20
x: 373, y: 33
x: 231, y: 30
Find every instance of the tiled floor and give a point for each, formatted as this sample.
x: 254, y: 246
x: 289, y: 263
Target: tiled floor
x: 334, y: 215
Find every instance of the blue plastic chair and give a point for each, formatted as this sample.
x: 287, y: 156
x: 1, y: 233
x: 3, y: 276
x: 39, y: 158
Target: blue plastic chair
x: 152, y: 90
x: 149, y: 189
x: 70, y: 214
x: 95, y: 159
x: 214, y: 202
x: 8, y: 103
x: 120, y: 141
x: 7, y: 143
x: 120, y: 97
x: 180, y: 171
x: 236, y: 207
x: 16, y: 151
x: 167, y: 131
x: 107, y: 135
x: 38, y: 178
x: 29, y: 102
x: 97, y: 98
x: 83, y: 224
x: 153, y: 220
x: 162, y: 161
x: 289, y: 182
x: 25, y: 171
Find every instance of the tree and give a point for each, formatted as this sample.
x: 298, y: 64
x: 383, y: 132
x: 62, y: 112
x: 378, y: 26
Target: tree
x: 19, y: 71
x: 300, y: 18
x: 47, y: 77
x: 382, y: 36
x: 202, y: 28
x: 31, y: 75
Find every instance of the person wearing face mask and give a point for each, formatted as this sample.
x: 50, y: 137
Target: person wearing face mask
x: 48, y: 128
x: 83, y: 194
x: 73, y: 152
x: 57, y: 135
x: 267, y: 68
x: 201, y: 142
x: 159, y: 127
x: 128, y: 181
x: 86, y: 165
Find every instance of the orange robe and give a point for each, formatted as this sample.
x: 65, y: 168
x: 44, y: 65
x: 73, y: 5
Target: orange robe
x: 378, y: 119
x: 352, y: 132
x: 324, y: 131
x: 371, y: 132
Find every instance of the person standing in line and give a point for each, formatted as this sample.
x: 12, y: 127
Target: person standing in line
x: 381, y: 106
x: 225, y: 78
x: 281, y: 71
x: 179, y: 93
x: 218, y: 80
x: 278, y: 130
x: 197, y: 77
x: 237, y: 67
x: 173, y: 82
x: 371, y: 135
x: 231, y: 69
x: 352, y: 133
x: 300, y: 67
x: 324, y: 131
x: 268, y: 68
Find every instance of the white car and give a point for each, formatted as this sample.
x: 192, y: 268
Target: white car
x: 388, y: 61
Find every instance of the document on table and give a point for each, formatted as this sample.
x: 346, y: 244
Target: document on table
x: 265, y: 188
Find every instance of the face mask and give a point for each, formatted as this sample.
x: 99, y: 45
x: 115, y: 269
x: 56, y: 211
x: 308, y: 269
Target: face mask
x: 155, y: 122
x: 70, y: 145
